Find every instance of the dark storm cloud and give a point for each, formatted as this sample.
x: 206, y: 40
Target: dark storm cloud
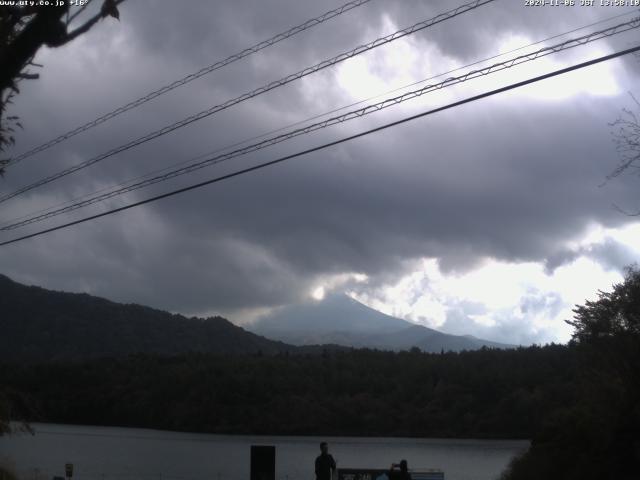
x: 448, y: 199
x: 611, y: 254
x: 508, y: 178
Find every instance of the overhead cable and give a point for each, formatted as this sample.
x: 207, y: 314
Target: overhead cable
x: 189, y: 78
x: 266, y: 88
x: 354, y: 114
x: 327, y: 145
x: 308, y: 119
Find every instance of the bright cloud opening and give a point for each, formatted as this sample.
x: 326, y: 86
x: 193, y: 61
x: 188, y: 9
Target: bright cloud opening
x: 318, y: 293
x: 597, y: 80
x: 509, y: 302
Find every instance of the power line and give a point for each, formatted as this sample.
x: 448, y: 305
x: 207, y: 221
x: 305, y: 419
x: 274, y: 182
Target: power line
x: 9, y: 223
x: 266, y: 88
x: 339, y: 119
x: 191, y: 77
x: 331, y: 144
x: 571, y: 43
x: 478, y: 62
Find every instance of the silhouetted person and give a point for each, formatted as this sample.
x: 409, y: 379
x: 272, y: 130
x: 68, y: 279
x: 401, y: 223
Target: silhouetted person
x: 399, y: 471
x: 325, y: 464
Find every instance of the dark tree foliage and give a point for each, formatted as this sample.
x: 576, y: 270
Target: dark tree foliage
x: 4, y: 413
x: 23, y: 31
x: 615, y: 314
x: 484, y: 394
x: 14, y: 406
x: 599, y: 436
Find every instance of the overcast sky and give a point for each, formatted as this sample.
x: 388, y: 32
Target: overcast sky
x: 488, y: 219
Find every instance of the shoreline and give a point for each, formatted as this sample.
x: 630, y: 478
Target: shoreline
x: 306, y: 438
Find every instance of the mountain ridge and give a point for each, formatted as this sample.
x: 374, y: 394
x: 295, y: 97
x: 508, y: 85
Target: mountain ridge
x: 341, y: 320
x: 45, y: 325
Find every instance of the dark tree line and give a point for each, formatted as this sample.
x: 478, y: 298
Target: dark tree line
x: 487, y: 393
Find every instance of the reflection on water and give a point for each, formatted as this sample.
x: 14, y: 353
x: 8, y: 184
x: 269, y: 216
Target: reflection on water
x: 107, y: 453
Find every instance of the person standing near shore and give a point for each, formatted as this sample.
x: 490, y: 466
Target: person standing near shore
x: 325, y: 464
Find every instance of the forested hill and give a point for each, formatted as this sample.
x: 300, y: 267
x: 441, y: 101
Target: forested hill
x: 482, y: 394
x: 40, y: 325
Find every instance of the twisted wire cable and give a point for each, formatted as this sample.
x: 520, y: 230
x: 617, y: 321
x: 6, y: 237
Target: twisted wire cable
x: 266, y: 88
x: 314, y: 117
x: 191, y: 77
x: 496, y: 67
x: 327, y: 145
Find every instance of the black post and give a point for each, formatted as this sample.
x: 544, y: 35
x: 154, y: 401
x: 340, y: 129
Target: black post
x: 263, y: 462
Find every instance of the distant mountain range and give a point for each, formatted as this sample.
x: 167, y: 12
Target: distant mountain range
x: 44, y: 325
x: 338, y: 319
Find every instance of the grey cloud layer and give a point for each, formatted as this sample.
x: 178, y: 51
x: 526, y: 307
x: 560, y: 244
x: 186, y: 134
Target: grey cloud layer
x: 507, y: 178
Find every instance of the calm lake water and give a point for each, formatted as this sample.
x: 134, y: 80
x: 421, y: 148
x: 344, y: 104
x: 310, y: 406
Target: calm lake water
x: 106, y: 453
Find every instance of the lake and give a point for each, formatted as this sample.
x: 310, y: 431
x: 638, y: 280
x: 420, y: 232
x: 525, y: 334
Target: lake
x: 110, y: 453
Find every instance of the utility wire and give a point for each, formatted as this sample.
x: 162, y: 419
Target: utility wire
x: 191, y: 77
x: 300, y: 122
x: 266, y: 88
x: 572, y: 43
x: 331, y: 144
x: 308, y: 119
